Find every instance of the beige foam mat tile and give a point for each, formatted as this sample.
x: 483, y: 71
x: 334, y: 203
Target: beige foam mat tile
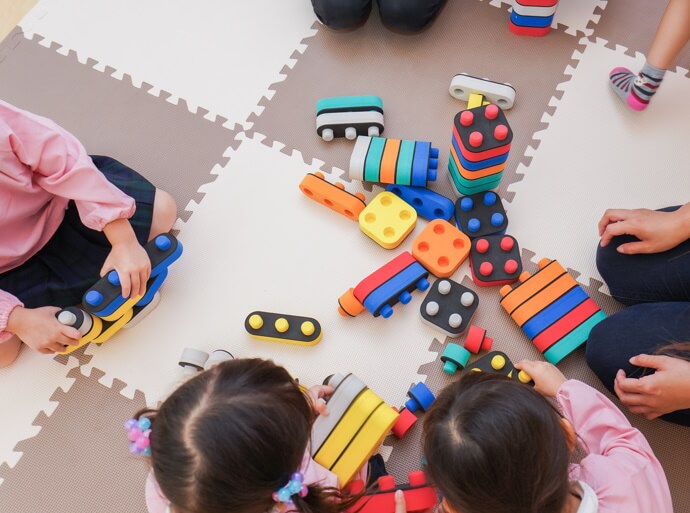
x: 412, y: 74
x: 257, y: 242
x: 172, y: 147
x: 221, y: 56
x: 598, y: 154
x: 79, y: 462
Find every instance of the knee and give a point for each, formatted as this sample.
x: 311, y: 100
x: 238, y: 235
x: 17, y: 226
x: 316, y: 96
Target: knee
x: 342, y: 14
x: 164, y: 213
x: 408, y: 15
x: 602, y: 354
x: 9, y: 351
x: 613, y: 269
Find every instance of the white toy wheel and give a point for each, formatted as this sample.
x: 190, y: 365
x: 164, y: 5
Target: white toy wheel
x: 217, y: 356
x: 351, y: 133
x: 327, y: 134
x: 193, y: 359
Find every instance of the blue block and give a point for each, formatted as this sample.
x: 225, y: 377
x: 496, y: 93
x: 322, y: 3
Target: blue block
x: 428, y: 204
x: 152, y: 287
x: 388, y: 293
x: 554, y: 311
x: 482, y: 164
x: 531, y: 21
x: 421, y: 398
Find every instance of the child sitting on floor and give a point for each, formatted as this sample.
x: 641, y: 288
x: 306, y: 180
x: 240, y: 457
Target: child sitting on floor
x: 65, y: 220
x: 235, y: 438
x: 497, y: 446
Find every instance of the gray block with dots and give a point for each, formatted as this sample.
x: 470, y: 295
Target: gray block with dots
x: 449, y: 307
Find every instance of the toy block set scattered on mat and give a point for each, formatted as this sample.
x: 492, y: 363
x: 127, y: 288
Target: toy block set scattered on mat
x: 104, y: 311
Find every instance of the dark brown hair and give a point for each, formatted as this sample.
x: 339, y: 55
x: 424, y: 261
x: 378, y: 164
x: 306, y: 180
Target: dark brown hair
x: 228, y: 438
x: 496, y: 446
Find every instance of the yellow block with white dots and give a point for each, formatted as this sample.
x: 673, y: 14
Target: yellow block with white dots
x: 387, y: 220
x: 291, y: 329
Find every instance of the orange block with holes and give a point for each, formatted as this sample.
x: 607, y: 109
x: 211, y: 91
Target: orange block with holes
x: 334, y: 196
x: 441, y: 248
x: 530, y: 285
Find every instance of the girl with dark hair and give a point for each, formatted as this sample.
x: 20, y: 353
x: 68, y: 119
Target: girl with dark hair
x: 235, y: 439
x: 497, y: 446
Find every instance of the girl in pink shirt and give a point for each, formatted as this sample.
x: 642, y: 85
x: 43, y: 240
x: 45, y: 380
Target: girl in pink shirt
x: 235, y: 438
x: 65, y: 220
x: 497, y: 446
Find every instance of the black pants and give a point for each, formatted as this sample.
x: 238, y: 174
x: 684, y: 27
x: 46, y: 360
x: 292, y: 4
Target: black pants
x: 401, y: 15
x: 657, y: 288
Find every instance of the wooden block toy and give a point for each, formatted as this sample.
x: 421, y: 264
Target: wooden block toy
x: 441, y: 248
x: 463, y: 85
x: 454, y: 358
x: 105, y: 299
x: 393, y: 161
x: 387, y: 220
x: 477, y: 340
x: 357, y: 423
x: 449, y: 307
x: 291, y: 329
x: 349, y: 116
x: 495, y: 260
x: 421, y: 398
x: 497, y: 362
x: 334, y: 196
x: 383, y: 288
x: 552, y: 310
x: 419, y: 496
x: 89, y: 326
x: 429, y: 204
x: 405, y: 421
x: 481, y: 214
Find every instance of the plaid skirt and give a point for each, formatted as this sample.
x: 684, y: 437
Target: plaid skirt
x: 70, y: 262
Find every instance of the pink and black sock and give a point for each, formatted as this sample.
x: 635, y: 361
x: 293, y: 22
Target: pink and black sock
x: 636, y: 90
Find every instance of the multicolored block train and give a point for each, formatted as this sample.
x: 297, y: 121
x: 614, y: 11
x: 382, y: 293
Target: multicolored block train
x: 552, y: 309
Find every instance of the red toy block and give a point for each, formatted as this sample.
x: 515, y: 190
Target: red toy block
x: 383, y: 274
x: 419, y: 496
x: 528, y: 31
x: 477, y: 340
x: 495, y: 260
x: 482, y: 132
x: 565, y: 325
x: 405, y: 421
x: 441, y: 248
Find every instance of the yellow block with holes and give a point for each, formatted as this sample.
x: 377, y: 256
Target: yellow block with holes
x: 387, y: 220
x: 365, y: 443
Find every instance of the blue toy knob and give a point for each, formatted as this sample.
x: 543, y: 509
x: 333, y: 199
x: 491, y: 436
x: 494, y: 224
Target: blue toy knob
x: 434, y: 153
x: 474, y: 224
x: 466, y: 204
x: 405, y: 297
x: 113, y: 278
x: 94, y: 298
x: 489, y: 198
x: 163, y: 243
x: 432, y: 173
x: 386, y: 311
x: 497, y: 219
x: 423, y: 284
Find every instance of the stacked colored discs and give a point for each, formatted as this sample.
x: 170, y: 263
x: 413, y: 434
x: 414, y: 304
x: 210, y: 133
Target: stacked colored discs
x: 532, y: 17
x: 377, y: 159
x: 479, y: 149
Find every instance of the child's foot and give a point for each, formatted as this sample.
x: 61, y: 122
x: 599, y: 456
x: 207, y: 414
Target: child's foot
x: 636, y: 90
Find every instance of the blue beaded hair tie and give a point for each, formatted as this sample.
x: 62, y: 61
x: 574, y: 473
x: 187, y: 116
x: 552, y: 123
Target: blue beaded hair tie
x: 295, y: 486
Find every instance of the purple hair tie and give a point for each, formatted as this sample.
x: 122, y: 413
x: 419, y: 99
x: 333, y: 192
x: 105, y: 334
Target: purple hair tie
x: 138, y: 432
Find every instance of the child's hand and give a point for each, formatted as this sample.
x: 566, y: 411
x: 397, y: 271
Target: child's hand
x: 547, y: 378
x: 667, y: 390
x: 132, y: 264
x: 40, y: 330
x: 657, y: 231
x: 400, y: 506
x: 318, y: 394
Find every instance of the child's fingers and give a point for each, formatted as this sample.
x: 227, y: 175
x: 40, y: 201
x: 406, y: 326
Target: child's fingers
x: 125, y: 283
x: 71, y: 333
x: 142, y: 283
x: 400, y: 506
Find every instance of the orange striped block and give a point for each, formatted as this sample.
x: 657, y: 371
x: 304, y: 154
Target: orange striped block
x: 389, y: 160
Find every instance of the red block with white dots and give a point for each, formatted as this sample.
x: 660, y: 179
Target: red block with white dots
x: 495, y: 260
x: 420, y: 497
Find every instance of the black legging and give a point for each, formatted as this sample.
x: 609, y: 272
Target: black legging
x: 401, y: 15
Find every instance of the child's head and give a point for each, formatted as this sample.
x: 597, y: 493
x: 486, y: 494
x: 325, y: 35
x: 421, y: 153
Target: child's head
x: 231, y: 436
x: 496, y: 445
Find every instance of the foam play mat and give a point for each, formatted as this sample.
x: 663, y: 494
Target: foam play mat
x: 216, y: 104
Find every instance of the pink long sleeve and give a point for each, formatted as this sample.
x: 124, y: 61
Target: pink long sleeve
x: 42, y: 168
x: 620, y: 465
x: 7, y: 303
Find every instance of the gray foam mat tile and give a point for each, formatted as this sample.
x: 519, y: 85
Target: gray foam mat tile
x: 412, y: 74
x: 173, y: 148
x: 79, y: 461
